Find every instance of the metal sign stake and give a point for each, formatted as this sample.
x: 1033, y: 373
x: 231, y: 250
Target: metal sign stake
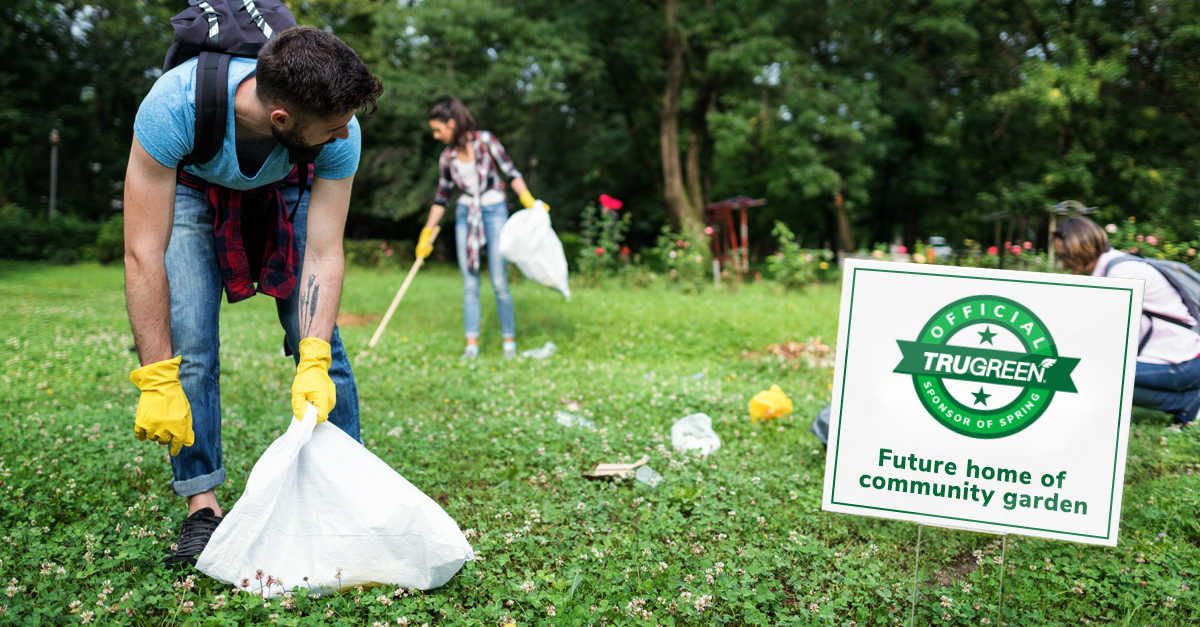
x: 1003, y: 568
x: 912, y: 614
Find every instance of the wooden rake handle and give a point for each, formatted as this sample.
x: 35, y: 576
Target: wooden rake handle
x: 412, y: 272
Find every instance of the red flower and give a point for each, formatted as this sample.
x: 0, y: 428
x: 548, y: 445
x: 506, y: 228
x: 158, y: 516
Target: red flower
x: 624, y: 250
x: 1027, y: 245
x: 599, y: 251
x: 992, y: 250
x: 608, y: 202
x: 902, y: 249
x: 1016, y: 250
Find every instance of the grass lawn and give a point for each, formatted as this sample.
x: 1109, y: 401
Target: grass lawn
x: 737, y: 538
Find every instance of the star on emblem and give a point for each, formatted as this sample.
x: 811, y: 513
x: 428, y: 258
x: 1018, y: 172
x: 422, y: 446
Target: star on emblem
x: 986, y: 335
x: 980, y: 397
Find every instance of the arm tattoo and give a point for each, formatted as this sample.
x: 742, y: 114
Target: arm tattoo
x: 307, y: 307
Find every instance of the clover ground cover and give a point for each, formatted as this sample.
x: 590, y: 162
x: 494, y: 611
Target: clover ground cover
x: 86, y: 510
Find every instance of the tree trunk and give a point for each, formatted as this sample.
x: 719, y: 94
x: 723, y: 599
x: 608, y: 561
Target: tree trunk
x: 674, y: 196
x: 695, y: 194
x: 698, y: 155
x: 843, y: 223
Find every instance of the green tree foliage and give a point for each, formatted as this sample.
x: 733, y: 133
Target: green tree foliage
x: 81, y: 68
x: 858, y: 121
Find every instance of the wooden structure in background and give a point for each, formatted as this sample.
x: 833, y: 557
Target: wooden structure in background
x: 725, y: 244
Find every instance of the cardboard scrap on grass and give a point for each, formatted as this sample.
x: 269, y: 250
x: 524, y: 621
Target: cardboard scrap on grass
x: 814, y: 353
x: 620, y: 471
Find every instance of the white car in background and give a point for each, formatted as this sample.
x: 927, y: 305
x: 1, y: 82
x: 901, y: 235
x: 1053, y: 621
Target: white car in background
x: 940, y: 248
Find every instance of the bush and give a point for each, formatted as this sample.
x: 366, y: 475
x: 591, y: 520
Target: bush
x: 796, y: 268
x: 686, y: 259
x: 572, y: 244
x: 635, y: 274
x: 22, y: 236
x: 377, y: 253
x: 110, y: 243
x: 1154, y: 242
x: 601, y: 251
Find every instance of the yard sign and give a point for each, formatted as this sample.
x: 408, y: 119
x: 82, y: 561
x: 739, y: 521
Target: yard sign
x: 988, y: 400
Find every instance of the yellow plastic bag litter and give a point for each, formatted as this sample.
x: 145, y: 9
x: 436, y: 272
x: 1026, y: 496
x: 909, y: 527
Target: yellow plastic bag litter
x: 769, y: 404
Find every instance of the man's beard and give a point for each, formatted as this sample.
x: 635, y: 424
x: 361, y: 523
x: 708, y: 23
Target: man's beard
x: 293, y: 141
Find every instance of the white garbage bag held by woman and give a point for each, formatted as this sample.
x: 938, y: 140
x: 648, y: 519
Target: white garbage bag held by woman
x: 529, y: 241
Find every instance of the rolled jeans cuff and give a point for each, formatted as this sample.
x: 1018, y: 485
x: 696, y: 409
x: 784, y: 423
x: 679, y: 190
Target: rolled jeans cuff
x: 199, y: 485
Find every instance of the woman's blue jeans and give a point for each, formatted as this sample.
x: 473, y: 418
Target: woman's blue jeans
x: 494, y: 217
x: 1174, y: 389
x: 194, y: 276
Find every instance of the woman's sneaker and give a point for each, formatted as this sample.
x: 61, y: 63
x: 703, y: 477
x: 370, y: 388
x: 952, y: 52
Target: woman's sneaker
x: 197, y: 529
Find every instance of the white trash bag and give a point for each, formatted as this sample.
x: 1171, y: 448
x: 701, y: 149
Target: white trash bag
x: 528, y: 241
x: 695, y: 431
x: 318, y: 503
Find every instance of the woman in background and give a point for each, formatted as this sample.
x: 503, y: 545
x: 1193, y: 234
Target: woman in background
x: 1168, y: 368
x: 473, y: 162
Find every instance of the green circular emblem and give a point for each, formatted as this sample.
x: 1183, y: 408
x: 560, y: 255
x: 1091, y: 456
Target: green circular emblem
x: 986, y: 367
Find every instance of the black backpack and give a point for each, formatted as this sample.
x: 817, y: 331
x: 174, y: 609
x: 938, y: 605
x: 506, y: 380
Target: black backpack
x: 215, y: 31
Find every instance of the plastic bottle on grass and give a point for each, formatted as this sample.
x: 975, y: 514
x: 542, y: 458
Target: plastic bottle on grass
x: 546, y: 351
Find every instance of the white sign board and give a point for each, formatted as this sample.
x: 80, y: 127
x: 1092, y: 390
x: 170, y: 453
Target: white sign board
x: 988, y: 400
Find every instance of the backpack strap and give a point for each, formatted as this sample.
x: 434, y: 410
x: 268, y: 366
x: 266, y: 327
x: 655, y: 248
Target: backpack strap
x: 258, y: 18
x: 214, y: 25
x: 1146, y: 339
x: 1168, y: 319
x: 212, y: 107
x: 302, y: 170
x: 1119, y: 260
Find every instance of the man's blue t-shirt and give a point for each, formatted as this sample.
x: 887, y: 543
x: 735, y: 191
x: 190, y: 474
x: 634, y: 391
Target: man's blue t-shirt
x: 166, y: 127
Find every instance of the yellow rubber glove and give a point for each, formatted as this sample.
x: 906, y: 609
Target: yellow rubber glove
x: 424, y: 246
x: 526, y: 199
x: 529, y: 201
x: 163, y: 412
x: 312, y: 383
x: 769, y: 404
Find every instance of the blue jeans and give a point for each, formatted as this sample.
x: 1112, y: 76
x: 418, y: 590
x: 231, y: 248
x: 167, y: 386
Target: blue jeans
x: 194, y: 277
x: 494, y: 217
x: 1174, y: 389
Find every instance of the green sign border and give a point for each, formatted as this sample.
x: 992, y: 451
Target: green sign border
x: 845, y: 360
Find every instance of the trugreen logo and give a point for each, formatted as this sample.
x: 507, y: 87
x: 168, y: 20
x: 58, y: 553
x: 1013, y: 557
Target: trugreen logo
x: 986, y: 367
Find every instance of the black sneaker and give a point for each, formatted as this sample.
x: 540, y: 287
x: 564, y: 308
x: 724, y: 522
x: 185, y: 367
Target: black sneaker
x: 197, y: 529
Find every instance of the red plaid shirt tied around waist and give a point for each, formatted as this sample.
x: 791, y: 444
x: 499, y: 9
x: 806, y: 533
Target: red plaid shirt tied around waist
x: 280, y: 263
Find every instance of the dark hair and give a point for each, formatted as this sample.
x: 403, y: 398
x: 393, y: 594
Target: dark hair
x: 454, y: 109
x: 314, y: 71
x: 1083, y: 241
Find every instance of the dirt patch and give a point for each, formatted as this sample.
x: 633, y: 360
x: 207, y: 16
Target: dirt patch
x: 813, y: 352
x: 355, y: 320
x: 963, y: 566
